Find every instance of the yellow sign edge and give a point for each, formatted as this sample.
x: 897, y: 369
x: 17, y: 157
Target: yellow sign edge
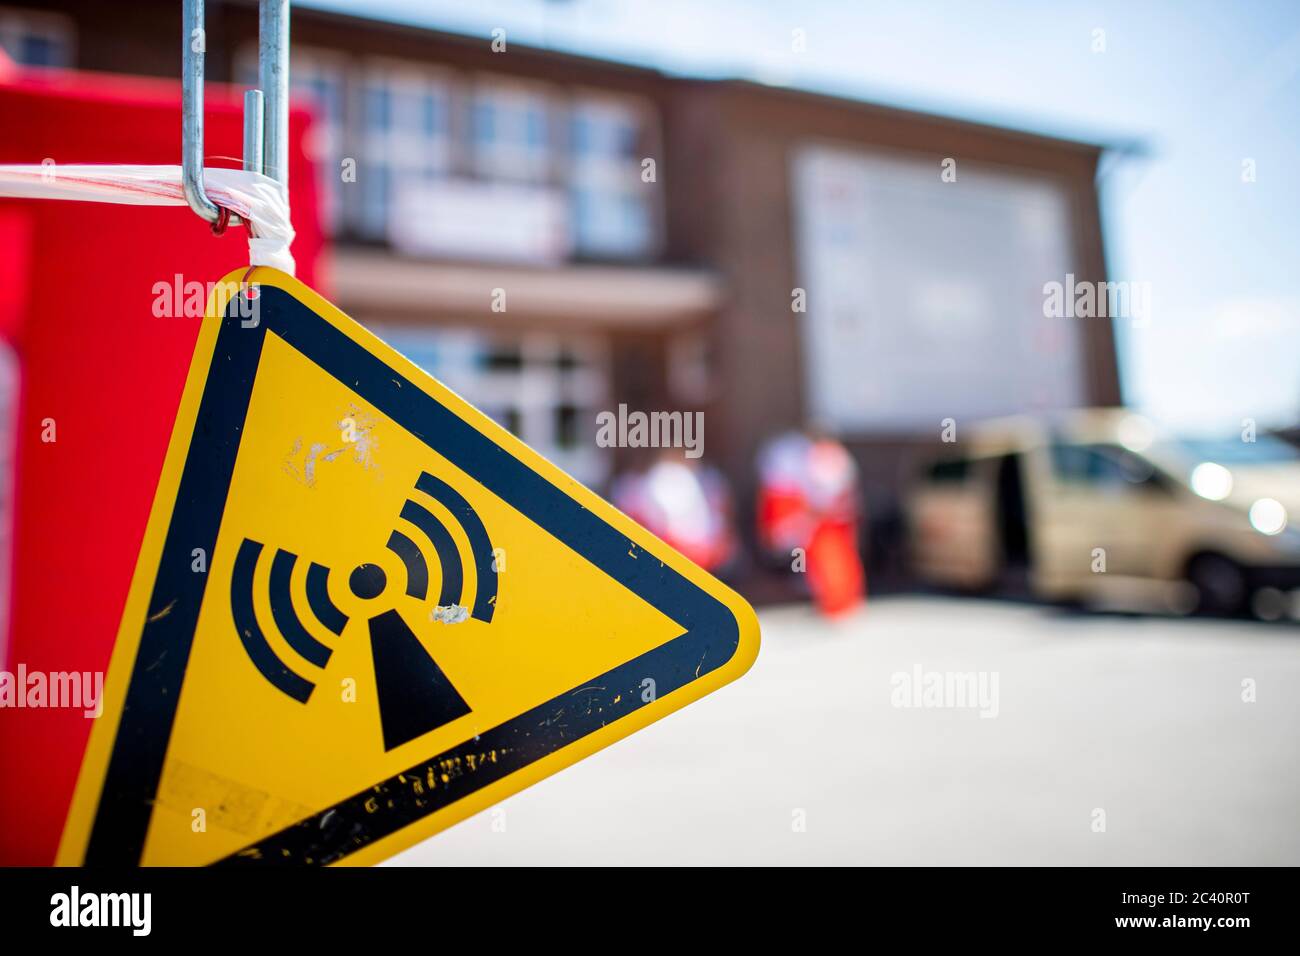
x: 94, y: 766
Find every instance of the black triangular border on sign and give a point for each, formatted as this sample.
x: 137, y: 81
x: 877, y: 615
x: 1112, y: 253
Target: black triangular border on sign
x: 135, y: 765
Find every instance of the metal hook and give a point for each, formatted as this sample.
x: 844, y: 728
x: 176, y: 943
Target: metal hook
x: 273, y: 77
x: 254, y: 112
x: 266, y: 116
x: 194, y: 44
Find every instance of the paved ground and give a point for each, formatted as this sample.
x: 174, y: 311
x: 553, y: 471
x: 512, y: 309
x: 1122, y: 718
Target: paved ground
x: 1142, y: 718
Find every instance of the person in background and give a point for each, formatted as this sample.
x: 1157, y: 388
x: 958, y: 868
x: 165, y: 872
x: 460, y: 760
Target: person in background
x: 686, y: 504
x: 808, y: 506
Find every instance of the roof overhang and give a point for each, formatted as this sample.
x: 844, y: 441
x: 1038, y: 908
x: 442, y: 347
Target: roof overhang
x: 377, y: 285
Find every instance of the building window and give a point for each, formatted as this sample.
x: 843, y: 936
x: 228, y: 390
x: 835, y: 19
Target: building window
x: 322, y: 81
x: 31, y: 38
x: 612, y: 206
x: 1100, y: 466
x: 691, y: 375
x: 546, y: 389
x: 510, y: 132
x: 320, y: 78
x: 405, y: 139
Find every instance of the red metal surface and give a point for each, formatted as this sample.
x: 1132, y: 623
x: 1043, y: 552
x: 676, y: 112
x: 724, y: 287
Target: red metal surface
x: 77, y: 305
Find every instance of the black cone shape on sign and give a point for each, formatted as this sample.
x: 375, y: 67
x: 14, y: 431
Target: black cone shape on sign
x: 415, y: 696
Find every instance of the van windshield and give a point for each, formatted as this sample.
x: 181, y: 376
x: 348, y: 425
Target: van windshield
x: 1265, y: 450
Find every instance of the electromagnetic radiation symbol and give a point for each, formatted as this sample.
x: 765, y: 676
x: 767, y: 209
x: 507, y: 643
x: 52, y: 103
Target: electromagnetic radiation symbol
x: 415, y: 696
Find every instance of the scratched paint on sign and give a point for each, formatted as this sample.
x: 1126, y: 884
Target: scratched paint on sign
x: 344, y: 633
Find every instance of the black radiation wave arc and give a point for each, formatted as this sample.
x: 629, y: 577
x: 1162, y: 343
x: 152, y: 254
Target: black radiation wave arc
x: 417, y: 570
x: 479, y: 542
x: 453, y: 581
x: 415, y: 696
x: 318, y: 599
x: 286, y: 618
x: 250, y: 633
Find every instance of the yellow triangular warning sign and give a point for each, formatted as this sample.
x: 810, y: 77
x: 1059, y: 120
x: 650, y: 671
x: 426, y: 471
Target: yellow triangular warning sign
x: 364, y: 611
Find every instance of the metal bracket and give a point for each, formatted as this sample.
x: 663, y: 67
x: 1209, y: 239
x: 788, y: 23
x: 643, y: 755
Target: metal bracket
x: 266, y: 111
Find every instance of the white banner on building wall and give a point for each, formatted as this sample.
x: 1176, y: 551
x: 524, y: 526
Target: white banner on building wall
x: 925, y: 297
x: 472, y: 219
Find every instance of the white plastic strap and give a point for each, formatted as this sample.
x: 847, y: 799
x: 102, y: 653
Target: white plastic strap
x: 257, y: 199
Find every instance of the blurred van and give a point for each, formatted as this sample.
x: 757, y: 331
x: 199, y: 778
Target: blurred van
x: 1102, y: 507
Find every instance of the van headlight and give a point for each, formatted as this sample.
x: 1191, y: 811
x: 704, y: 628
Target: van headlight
x: 1211, y: 481
x: 1267, y: 516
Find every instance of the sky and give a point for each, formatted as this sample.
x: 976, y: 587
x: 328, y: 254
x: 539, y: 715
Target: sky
x: 1189, y: 90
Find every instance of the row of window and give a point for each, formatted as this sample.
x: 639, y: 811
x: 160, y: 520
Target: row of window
x: 410, y: 128
x: 573, y: 160
x: 544, y: 387
x: 1099, y: 466
x: 32, y: 38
